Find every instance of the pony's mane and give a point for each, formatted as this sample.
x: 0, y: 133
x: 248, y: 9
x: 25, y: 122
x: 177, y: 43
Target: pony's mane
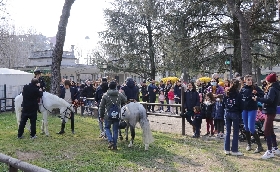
x: 56, y: 98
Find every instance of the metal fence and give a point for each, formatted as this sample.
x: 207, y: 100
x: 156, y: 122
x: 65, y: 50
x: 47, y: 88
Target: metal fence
x: 7, y: 95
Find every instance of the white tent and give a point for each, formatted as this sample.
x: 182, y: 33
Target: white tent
x: 14, y: 81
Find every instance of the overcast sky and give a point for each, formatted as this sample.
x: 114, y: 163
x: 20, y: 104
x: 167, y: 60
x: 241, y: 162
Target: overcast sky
x: 86, y: 18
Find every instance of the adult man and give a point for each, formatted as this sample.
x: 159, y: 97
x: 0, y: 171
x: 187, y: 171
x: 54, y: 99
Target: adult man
x: 130, y: 90
x: 144, y: 92
x: 177, y: 94
x: 112, y: 97
x: 102, y: 89
x: 152, y: 89
x: 69, y: 94
x: 89, y: 91
x: 41, y: 81
x: 30, y: 94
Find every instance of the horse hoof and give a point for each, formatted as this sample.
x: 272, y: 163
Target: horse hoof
x: 130, y: 145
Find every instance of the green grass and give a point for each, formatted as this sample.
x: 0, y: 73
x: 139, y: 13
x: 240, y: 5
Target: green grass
x: 84, y: 151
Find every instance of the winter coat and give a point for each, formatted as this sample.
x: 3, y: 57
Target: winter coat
x: 207, y: 109
x: 219, y: 90
x: 271, y: 99
x: 30, y: 95
x: 247, y: 93
x: 167, y: 89
x: 74, y: 93
x: 218, y: 110
x: 191, y: 99
x: 171, y: 95
x: 99, y: 92
x: 130, y: 90
x: 151, y: 88
x: 233, y: 102
x: 111, y: 96
x: 177, y: 91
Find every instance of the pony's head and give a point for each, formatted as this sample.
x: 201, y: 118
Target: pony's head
x: 65, y: 111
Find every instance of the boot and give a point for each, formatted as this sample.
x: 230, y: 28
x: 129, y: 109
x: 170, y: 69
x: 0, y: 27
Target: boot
x: 248, y: 138
x: 258, y: 142
x: 62, y: 128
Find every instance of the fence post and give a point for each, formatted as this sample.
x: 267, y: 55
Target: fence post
x: 5, y: 96
x: 12, y: 169
x: 13, y: 105
x: 183, y: 110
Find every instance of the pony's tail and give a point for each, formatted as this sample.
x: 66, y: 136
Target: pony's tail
x: 145, y: 125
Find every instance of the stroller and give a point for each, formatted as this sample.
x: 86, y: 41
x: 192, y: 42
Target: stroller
x: 258, y: 127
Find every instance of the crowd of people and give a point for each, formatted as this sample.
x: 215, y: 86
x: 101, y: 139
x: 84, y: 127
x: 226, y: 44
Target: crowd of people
x: 225, y: 106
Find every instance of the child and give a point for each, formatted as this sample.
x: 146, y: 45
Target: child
x: 260, y: 118
x: 197, y: 120
x: 207, y: 111
x: 171, y: 99
x: 161, y: 99
x: 218, y: 115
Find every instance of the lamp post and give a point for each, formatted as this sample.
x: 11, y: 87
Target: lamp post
x: 104, y: 67
x: 229, y: 51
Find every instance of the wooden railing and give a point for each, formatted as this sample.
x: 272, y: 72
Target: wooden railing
x: 15, y: 165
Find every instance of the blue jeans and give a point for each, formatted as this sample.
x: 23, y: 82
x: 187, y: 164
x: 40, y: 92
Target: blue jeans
x: 108, y: 132
x: 89, y: 103
x: 249, y: 120
x: 232, y: 119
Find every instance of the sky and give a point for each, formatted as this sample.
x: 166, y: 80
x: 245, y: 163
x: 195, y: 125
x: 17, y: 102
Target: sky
x: 86, y: 19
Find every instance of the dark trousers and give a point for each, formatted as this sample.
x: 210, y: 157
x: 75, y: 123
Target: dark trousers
x: 269, y: 131
x: 210, y: 124
x: 197, y: 124
x: 167, y: 102
x: 24, y: 117
x: 220, y: 125
x: 152, y: 100
x: 178, y: 101
x: 72, y: 123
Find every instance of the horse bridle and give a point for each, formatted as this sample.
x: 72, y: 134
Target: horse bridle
x: 60, y: 114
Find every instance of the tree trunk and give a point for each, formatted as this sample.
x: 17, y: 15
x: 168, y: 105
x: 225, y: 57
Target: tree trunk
x: 58, y: 49
x: 237, y: 63
x: 151, y: 50
x: 244, y: 37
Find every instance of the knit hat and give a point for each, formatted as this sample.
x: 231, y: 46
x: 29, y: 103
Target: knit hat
x: 271, y: 77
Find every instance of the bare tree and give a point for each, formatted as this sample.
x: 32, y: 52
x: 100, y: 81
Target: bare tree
x: 58, y: 49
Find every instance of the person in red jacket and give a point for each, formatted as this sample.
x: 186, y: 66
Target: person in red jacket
x: 171, y: 99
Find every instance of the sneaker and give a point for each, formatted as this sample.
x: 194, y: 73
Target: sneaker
x: 221, y: 136
x: 248, y: 148
x: 275, y: 151
x: 61, y: 132
x: 102, y: 135
x: 34, y: 137
x: 218, y: 135
x: 110, y: 145
x: 259, y: 149
x: 227, y: 152
x: 73, y: 132
x: 21, y: 137
x: 268, y: 154
x: 236, y: 153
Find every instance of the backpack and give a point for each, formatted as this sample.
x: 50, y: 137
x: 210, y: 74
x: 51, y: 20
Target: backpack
x: 114, y: 111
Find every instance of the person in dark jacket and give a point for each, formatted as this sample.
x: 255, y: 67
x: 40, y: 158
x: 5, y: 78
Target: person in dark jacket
x: 270, y: 102
x: 130, y: 90
x: 152, y: 89
x: 30, y: 94
x: 69, y: 94
x: 102, y: 89
x: 207, y: 112
x: 218, y: 115
x: 191, y: 100
x: 144, y: 92
x: 249, y: 112
x: 41, y: 81
x: 89, y: 91
x: 232, y: 102
x: 177, y: 94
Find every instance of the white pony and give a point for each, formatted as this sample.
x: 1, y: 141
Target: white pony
x: 133, y: 113
x: 49, y: 102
